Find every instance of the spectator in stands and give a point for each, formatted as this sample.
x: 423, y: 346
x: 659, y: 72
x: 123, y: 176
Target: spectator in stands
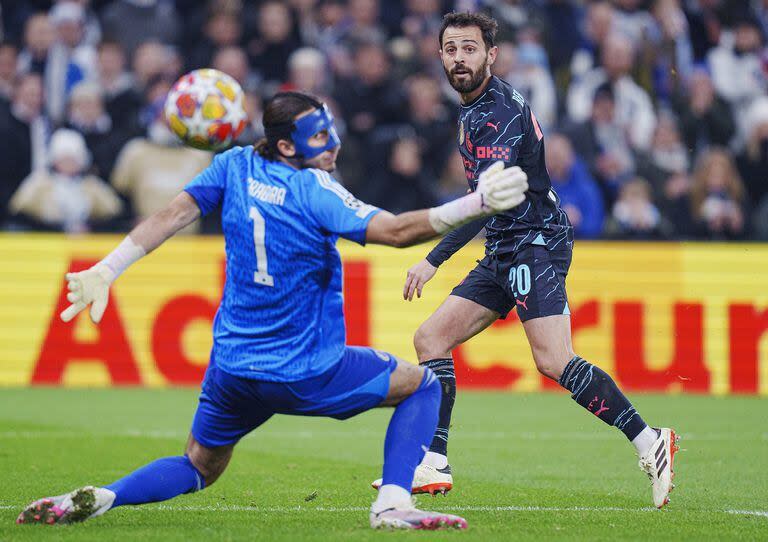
x: 68, y: 18
x: 404, y: 184
x: 633, y: 21
x: 308, y: 72
x: 634, y: 215
x: 526, y: 68
x: 88, y: 115
x: 432, y: 123
x: 269, y: 52
x: 325, y: 32
x: 737, y: 70
x: 133, y: 22
x: 92, y: 34
x: 234, y: 62
x: 222, y: 29
x: 604, y: 144
x: 705, y: 118
x: 8, y: 56
x: 121, y: 97
x: 362, y: 22
x: 579, y: 194
x: 516, y: 17
x: 634, y: 110
x: 598, y: 24
x: 717, y: 196
x: 667, y: 155
x: 675, y: 205
x: 753, y: 161
x: 24, y: 131
x: 40, y: 56
x: 705, y: 23
x: 371, y: 98
x: 562, y: 36
x: 65, y: 197
x: 152, y: 60
x: 421, y: 17
x: 670, y: 49
x: 150, y: 171
x: 760, y: 8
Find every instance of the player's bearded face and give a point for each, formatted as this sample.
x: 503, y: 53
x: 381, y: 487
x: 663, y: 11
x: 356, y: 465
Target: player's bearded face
x: 465, y: 79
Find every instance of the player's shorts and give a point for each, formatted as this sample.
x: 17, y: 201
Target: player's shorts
x: 230, y: 407
x: 531, y: 280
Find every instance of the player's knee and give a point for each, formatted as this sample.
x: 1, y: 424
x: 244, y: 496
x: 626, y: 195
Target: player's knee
x: 429, y: 344
x: 550, y: 367
x: 209, y: 462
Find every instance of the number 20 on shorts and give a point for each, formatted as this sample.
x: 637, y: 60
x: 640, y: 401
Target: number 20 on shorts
x: 520, y: 278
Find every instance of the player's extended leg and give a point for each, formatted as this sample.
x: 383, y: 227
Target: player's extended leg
x: 224, y: 415
x: 455, y: 321
x: 415, y: 393
x: 595, y: 390
x: 160, y: 480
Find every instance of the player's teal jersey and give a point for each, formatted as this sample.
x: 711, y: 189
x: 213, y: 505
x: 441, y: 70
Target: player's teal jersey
x: 281, y: 314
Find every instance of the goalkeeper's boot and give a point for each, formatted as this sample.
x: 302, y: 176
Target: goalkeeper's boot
x: 79, y: 505
x: 409, y: 517
x: 658, y: 464
x: 428, y: 479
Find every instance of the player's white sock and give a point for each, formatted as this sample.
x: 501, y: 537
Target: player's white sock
x: 391, y: 496
x: 433, y: 459
x: 645, y: 440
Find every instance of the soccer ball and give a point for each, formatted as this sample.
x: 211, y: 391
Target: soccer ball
x: 204, y: 108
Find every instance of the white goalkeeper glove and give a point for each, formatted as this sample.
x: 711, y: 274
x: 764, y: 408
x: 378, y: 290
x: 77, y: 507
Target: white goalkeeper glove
x: 89, y: 287
x: 500, y: 188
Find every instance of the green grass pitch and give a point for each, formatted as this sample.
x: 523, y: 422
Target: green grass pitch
x: 527, y: 466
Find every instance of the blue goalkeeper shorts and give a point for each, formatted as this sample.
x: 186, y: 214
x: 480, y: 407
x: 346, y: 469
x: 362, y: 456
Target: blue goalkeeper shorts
x: 230, y: 407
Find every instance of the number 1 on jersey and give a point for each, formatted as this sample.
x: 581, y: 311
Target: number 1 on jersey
x: 261, y: 276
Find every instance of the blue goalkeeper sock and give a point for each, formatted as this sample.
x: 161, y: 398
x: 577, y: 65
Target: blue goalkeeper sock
x: 410, y: 431
x: 161, y: 480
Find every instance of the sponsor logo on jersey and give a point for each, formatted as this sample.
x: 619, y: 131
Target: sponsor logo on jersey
x: 493, y: 152
x: 266, y: 193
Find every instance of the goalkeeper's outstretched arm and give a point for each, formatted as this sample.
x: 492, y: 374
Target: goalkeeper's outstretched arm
x: 91, y: 287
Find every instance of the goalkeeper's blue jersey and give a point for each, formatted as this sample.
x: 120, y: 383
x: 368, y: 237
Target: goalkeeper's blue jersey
x: 281, y: 314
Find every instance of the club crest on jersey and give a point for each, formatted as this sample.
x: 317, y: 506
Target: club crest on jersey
x: 461, y: 133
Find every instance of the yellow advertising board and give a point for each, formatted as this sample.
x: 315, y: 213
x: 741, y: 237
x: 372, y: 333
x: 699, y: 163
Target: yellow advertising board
x: 660, y: 317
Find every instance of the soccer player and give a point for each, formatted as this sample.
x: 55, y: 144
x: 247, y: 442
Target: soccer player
x: 279, y: 337
x: 528, y: 253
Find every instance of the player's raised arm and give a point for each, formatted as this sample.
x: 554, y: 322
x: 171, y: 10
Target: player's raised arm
x: 498, y: 189
x: 91, y: 287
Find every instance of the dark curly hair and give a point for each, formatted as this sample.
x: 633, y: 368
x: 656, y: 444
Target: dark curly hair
x: 487, y: 25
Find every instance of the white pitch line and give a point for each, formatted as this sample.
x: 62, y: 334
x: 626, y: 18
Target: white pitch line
x: 343, y: 509
x: 307, y: 435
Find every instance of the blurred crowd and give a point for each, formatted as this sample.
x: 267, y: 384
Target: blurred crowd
x: 655, y: 112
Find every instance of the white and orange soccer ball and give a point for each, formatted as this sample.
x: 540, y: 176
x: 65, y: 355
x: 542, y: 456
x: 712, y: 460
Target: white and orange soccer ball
x: 205, y: 109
